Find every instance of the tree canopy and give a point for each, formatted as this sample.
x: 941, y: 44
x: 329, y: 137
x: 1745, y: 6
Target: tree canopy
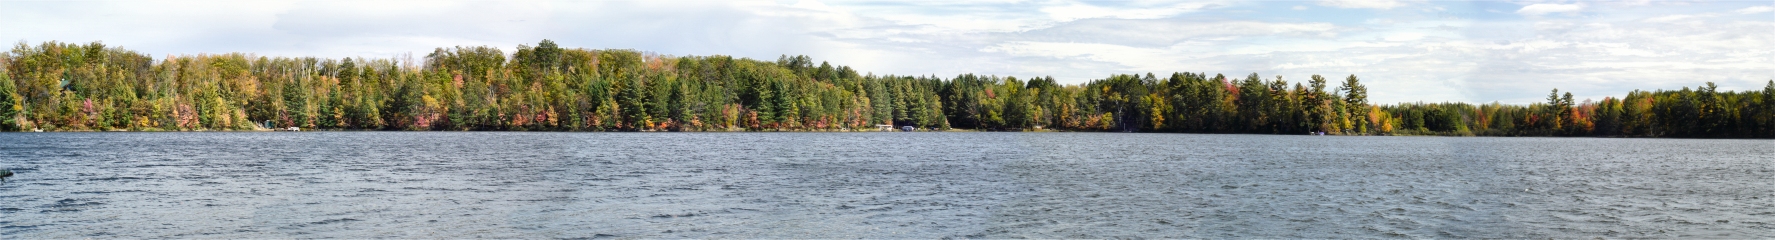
x: 74, y: 87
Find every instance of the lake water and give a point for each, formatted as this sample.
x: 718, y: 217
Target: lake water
x: 877, y: 185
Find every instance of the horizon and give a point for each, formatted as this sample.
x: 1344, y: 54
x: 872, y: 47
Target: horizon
x: 1405, y: 51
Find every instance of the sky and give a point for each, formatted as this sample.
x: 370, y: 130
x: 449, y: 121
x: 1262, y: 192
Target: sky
x: 1403, y: 50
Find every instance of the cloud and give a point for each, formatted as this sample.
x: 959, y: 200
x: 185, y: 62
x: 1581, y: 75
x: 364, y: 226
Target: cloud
x: 1464, y: 52
x: 814, y: 5
x: 1134, y: 57
x: 1076, y: 11
x: 1547, y: 8
x: 1708, y: 15
x: 1155, y: 33
x: 1670, y: 18
x: 1756, y: 9
x: 1402, y: 37
x: 1377, y: 4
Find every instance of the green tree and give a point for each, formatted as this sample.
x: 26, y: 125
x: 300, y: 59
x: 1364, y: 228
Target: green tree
x: 10, y: 103
x: 1356, y: 103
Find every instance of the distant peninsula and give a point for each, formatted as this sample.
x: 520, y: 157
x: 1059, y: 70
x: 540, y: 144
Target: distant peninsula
x: 54, y: 86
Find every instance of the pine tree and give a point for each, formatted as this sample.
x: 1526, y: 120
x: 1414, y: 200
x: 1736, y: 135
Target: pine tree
x: 1356, y: 100
x: 10, y: 103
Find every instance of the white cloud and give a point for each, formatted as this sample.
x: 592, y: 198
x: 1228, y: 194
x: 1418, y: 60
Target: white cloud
x: 813, y: 5
x: 1670, y: 18
x: 1756, y: 9
x: 1403, y: 56
x: 1546, y: 8
x: 1378, y: 4
x: 1402, y: 37
x: 1154, y: 33
x: 1074, y: 11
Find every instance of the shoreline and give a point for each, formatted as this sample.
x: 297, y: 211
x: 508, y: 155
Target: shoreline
x: 865, y: 131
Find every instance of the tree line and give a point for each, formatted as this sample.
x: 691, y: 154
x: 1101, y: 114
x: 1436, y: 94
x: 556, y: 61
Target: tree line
x: 58, y: 86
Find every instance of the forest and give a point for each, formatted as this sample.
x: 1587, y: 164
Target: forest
x: 54, y: 86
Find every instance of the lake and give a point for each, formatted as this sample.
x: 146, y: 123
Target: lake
x: 878, y: 185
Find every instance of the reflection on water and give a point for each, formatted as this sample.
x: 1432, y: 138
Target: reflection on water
x: 878, y: 185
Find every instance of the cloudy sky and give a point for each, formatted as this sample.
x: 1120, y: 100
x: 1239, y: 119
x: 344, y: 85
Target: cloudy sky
x: 1472, y: 51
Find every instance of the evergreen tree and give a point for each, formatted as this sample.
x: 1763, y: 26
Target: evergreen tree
x: 10, y: 103
x: 1356, y: 100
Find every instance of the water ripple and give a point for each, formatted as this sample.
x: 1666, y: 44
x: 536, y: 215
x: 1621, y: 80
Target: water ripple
x: 877, y: 185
